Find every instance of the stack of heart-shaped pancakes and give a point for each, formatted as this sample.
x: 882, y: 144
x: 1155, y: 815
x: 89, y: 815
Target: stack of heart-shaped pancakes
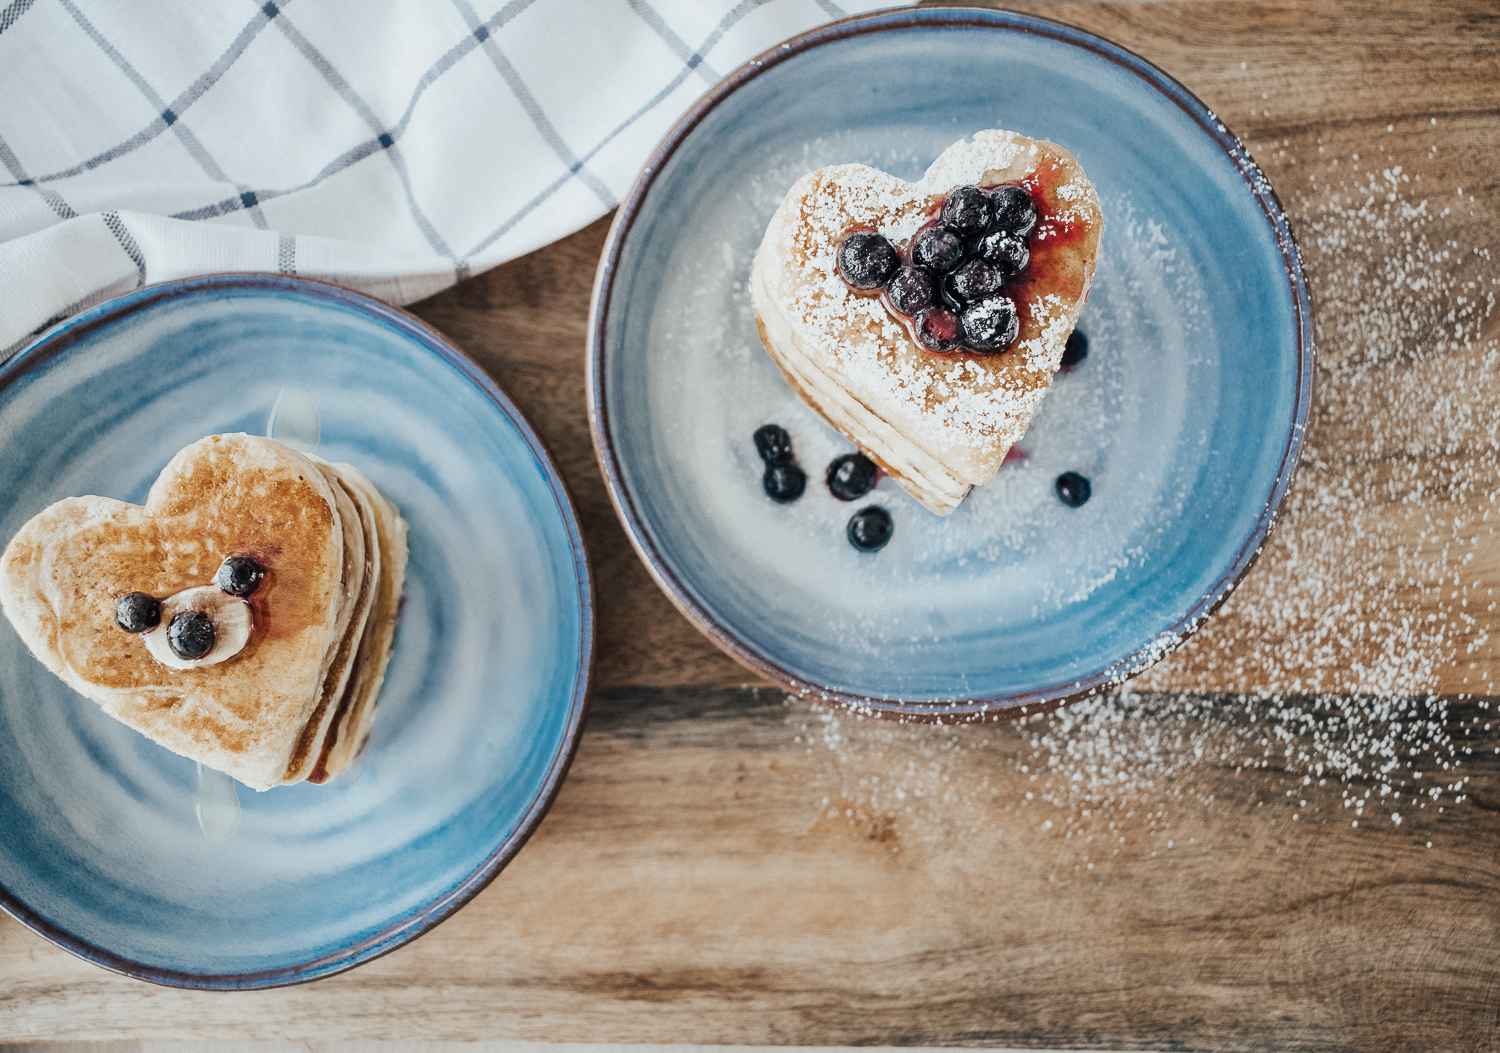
x: 297, y: 701
x: 939, y: 424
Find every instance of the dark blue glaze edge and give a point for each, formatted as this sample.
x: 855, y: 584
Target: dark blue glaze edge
x: 1019, y: 703
x: 427, y: 917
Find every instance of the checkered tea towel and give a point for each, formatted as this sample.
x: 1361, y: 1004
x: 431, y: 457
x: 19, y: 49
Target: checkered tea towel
x: 392, y: 146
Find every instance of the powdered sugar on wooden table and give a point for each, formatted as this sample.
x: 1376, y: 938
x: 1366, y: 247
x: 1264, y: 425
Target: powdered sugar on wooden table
x: 1375, y: 590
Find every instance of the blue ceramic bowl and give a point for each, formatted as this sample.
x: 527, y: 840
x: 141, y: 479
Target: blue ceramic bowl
x: 1187, y: 414
x: 99, y: 848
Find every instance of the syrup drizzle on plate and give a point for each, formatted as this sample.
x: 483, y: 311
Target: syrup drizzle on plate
x: 216, y: 803
x: 295, y: 421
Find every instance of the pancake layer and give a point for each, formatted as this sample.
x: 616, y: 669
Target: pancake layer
x: 938, y: 424
x: 334, y: 554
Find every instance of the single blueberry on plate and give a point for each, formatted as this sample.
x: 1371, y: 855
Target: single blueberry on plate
x: 866, y: 259
x: 784, y: 481
x: 938, y: 249
x: 137, y: 612
x: 773, y: 443
x: 937, y: 330
x: 190, y: 634
x: 1006, y: 251
x: 967, y: 211
x: 239, y: 575
x: 1014, y: 210
x: 1075, y: 350
x: 991, y: 325
x: 1073, y: 489
x: 910, y: 290
x: 870, y: 528
x: 851, y: 476
x: 974, y: 281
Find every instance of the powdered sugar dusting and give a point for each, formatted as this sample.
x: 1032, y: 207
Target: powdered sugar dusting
x: 1126, y: 422
x: 949, y: 401
x: 1372, y: 598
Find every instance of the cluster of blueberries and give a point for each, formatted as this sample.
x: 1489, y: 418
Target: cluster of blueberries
x: 951, y: 285
x: 849, y: 478
x: 191, y: 633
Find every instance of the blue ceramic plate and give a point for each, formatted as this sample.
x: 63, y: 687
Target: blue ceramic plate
x: 1187, y: 415
x: 99, y: 848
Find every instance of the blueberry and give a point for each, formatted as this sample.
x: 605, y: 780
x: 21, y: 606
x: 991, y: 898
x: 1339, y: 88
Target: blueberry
x: 239, y: 575
x: 136, y: 612
x: 190, y: 634
x: 974, y: 281
x: 937, y: 330
x: 870, y: 528
x: 1006, y: 251
x: 867, y: 260
x: 1072, y: 489
x: 784, y: 481
x: 773, y: 443
x: 967, y: 211
x: 1014, y: 210
x: 1076, y: 349
x: 910, y: 290
x: 991, y: 324
x: 851, y: 476
x: 938, y: 249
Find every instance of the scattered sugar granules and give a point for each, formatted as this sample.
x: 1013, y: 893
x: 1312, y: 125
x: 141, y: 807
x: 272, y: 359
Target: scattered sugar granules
x: 1328, y: 667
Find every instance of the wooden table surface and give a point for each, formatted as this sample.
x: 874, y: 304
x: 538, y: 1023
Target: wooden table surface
x: 1211, y: 863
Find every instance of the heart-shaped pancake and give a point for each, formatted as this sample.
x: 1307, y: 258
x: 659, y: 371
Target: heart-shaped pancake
x: 938, y: 423
x: 226, y: 495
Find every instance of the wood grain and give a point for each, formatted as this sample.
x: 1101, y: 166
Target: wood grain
x: 707, y: 877
x: 724, y: 865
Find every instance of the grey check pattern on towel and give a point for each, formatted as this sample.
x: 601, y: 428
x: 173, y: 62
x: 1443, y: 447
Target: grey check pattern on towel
x: 392, y: 146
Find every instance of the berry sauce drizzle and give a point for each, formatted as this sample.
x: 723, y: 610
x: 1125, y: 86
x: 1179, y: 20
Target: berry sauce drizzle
x: 1053, y: 233
x: 975, y: 306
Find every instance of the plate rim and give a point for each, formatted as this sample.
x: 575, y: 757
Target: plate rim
x: 57, y: 339
x: 1004, y: 705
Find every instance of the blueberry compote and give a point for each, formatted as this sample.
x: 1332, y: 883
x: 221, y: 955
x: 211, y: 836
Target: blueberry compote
x: 852, y: 476
x: 1073, y: 489
x: 137, y: 612
x: 239, y: 576
x: 951, y: 285
x: 190, y: 634
x: 1075, y: 350
x: 870, y: 528
x: 784, y: 480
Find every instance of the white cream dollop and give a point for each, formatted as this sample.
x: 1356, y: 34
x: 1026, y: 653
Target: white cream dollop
x: 230, y: 615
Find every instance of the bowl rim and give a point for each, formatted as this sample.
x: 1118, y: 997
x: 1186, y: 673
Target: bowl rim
x: 408, y: 926
x: 1009, y: 704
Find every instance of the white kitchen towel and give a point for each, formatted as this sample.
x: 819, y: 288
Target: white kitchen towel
x: 392, y: 146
